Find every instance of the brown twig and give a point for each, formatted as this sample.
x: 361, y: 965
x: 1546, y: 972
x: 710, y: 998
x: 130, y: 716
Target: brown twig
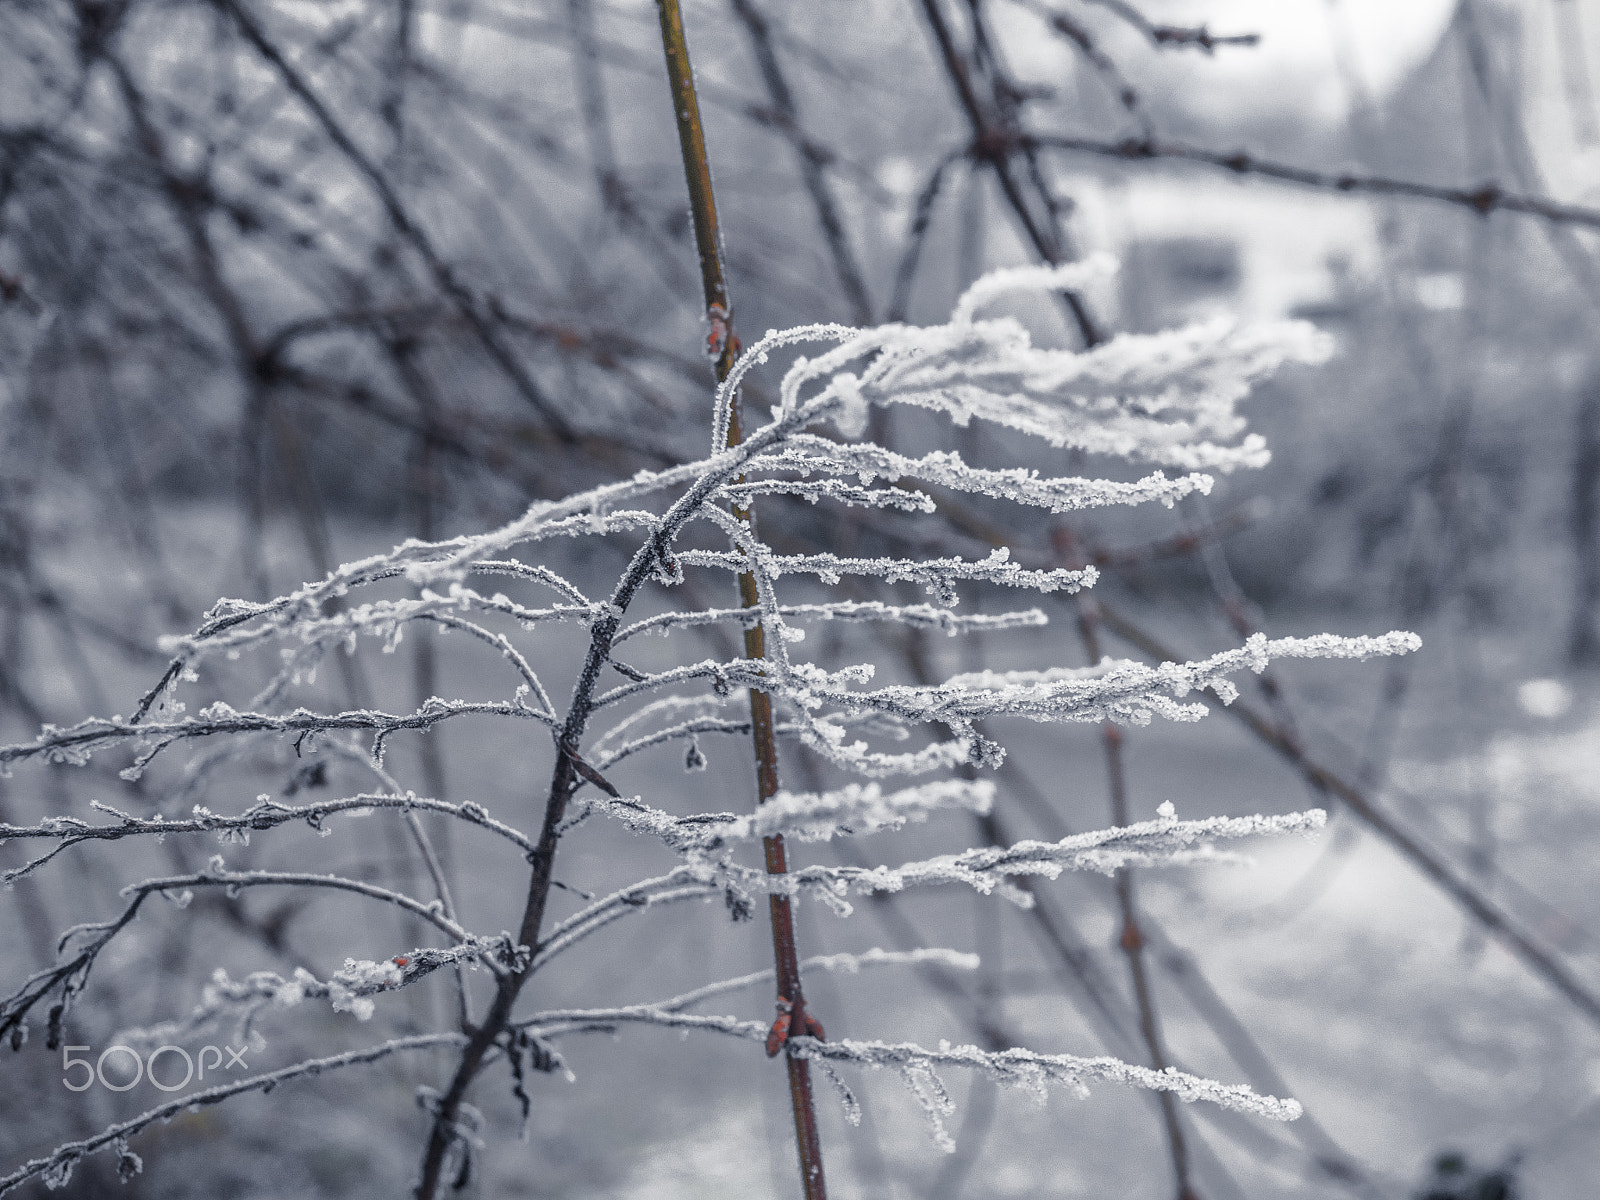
x: 917, y: 234
x: 1484, y: 199
x: 723, y: 345
x: 1132, y: 938
x: 1175, y: 36
x: 1110, y: 74
x: 996, y: 135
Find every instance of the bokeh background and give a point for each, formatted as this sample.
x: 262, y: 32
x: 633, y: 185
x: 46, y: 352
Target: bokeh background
x: 283, y: 282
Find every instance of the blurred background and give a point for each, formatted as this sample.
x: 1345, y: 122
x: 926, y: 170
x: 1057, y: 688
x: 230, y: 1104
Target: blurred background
x: 283, y: 282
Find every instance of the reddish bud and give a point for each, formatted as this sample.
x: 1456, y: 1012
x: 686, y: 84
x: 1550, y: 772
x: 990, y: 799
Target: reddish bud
x: 778, y: 1035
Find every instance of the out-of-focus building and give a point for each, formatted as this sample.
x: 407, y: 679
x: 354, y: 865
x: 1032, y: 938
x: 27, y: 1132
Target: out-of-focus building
x: 1194, y: 246
x: 1505, y: 94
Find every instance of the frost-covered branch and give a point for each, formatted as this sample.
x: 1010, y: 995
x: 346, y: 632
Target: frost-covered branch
x: 814, y: 490
x: 690, y: 730
x: 347, y: 990
x: 71, y: 973
x: 705, y: 840
x: 1032, y: 1072
x: 937, y: 575
x: 265, y: 814
x: 914, y: 616
x: 676, y: 886
x: 1162, y: 842
x: 177, y: 888
x: 918, y: 1066
x: 1167, y: 397
x: 1125, y: 692
x: 554, y: 1021
x: 853, y: 809
x: 808, y: 454
x: 384, y: 619
x: 75, y: 744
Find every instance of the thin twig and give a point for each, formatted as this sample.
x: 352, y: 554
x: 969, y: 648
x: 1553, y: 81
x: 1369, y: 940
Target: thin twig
x: 723, y: 346
x: 1174, y: 36
x: 471, y: 307
x: 994, y: 137
x: 1487, y: 198
x: 1131, y: 938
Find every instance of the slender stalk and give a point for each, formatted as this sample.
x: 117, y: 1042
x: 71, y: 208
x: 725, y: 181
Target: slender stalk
x: 1132, y: 942
x: 724, y: 346
x: 921, y: 215
x: 1132, y: 938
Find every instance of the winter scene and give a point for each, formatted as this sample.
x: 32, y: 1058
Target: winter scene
x: 774, y: 599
